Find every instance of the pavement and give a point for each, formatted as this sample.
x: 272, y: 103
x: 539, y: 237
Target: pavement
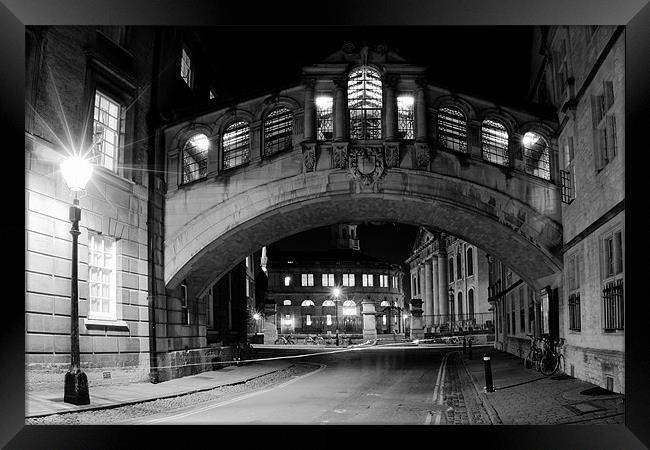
x: 525, y: 397
x: 46, y: 402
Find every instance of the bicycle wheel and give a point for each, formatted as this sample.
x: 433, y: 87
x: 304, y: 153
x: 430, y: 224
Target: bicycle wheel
x: 549, y: 363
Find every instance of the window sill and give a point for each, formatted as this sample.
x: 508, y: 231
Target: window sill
x: 95, y: 324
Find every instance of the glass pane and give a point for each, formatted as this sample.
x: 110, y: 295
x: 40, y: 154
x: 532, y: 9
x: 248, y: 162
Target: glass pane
x: 94, y: 304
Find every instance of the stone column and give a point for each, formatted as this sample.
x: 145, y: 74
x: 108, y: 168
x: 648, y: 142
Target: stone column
x: 391, y: 109
x: 270, y: 327
x: 310, y: 110
x: 339, y: 109
x: 443, y: 284
x: 417, y: 328
x: 435, y: 290
x: 428, y: 294
x: 369, y: 320
x: 420, y: 113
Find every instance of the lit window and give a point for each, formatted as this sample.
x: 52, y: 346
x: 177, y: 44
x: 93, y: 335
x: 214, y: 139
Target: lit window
x: 307, y: 279
x: 278, y: 131
x: 186, y: 68
x: 101, y: 276
x: 384, y: 303
x: 383, y: 280
x: 494, y: 138
x: 328, y: 303
x: 367, y: 280
x: 235, y: 145
x: 365, y: 103
x: 383, y: 319
x: 307, y: 303
x: 452, y: 129
x: 348, y: 279
x: 405, y: 117
x: 212, y: 94
x: 328, y: 279
x: 395, y: 286
x: 287, y: 281
x: 287, y: 302
x: 329, y: 319
x: 308, y: 320
x: 108, y: 125
x: 195, y: 158
x: 349, y: 308
x: 536, y: 156
x: 324, y: 122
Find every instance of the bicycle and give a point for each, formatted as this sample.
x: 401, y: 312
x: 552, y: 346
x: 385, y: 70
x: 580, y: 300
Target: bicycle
x: 531, y: 360
x: 314, y: 340
x: 284, y: 340
x: 542, y: 355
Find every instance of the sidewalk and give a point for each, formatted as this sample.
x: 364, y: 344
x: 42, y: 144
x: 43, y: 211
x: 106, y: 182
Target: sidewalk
x: 46, y: 402
x: 526, y: 397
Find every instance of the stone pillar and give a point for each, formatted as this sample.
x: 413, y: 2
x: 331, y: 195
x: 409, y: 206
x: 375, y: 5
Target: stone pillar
x: 391, y: 109
x: 310, y: 110
x: 474, y: 139
x: 417, y: 327
x: 270, y: 326
x: 420, y: 113
x: 435, y: 290
x: 443, y: 284
x: 339, y: 109
x: 428, y: 295
x: 369, y: 320
x: 213, y: 155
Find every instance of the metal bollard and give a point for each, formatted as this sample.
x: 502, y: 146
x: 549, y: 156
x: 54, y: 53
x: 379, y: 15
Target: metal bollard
x: 489, y: 387
x: 470, y: 349
x: 464, y: 345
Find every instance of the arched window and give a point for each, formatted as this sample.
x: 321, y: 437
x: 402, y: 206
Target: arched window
x: 451, y: 269
x: 460, y: 304
x: 452, y: 129
x: 235, y: 144
x: 328, y: 303
x: 195, y: 158
x: 385, y: 303
x: 278, y: 131
x: 470, y: 303
x: 459, y: 271
x: 494, y: 139
x: 307, y: 303
x: 470, y: 262
x: 365, y: 103
x: 536, y: 156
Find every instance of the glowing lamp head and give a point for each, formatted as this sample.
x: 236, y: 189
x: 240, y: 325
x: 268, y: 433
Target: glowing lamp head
x: 76, y: 171
x: 256, y: 316
x: 336, y: 292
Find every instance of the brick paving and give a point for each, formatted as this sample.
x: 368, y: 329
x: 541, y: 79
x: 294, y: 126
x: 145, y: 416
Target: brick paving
x: 525, y: 397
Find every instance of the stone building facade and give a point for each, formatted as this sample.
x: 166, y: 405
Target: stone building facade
x: 302, y: 299
x: 450, y: 276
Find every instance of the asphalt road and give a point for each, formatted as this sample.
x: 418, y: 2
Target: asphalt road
x: 376, y: 385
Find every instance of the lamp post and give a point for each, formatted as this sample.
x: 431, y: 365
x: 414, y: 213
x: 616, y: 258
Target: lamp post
x: 451, y: 308
x: 76, y: 172
x: 336, y: 292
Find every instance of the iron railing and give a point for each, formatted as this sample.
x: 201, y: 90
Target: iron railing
x: 458, y: 322
x: 613, y: 306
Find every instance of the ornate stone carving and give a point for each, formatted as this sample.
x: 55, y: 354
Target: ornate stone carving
x: 422, y: 157
x: 340, y: 155
x: 309, y: 156
x: 367, y: 164
x: 391, y: 154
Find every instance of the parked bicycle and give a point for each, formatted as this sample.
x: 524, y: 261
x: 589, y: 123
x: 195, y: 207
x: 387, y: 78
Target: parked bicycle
x: 543, y: 355
x: 314, y: 340
x: 285, y: 340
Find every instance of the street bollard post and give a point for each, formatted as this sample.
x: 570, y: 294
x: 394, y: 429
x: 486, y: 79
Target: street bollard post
x: 464, y: 345
x: 488, y: 373
x: 470, y: 349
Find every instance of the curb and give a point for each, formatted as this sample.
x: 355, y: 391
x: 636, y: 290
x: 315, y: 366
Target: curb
x: 489, y: 409
x: 149, y: 399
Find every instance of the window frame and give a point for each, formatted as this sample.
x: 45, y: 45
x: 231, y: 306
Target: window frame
x: 495, y: 147
x: 245, y: 149
x: 367, y: 280
x: 452, y: 132
x: 531, y: 150
x: 273, y: 144
x: 469, y: 261
x: 188, y: 77
x: 120, y: 131
x: 324, y: 124
x: 307, y: 279
x: 406, y: 117
x: 327, y: 279
x: 111, y: 315
x: 347, y: 279
x: 183, y: 162
x: 383, y: 280
x: 613, y: 280
x: 365, y: 132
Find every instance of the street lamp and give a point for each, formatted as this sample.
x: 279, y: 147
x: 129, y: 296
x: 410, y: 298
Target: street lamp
x: 76, y: 171
x: 257, y: 317
x: 451, y: 308
x: 336, y: 291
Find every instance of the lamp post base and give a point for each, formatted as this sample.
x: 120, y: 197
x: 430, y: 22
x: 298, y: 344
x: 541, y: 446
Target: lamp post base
x: 76, y: 388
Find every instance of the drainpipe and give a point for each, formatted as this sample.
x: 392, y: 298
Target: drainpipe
x: 151, y: 223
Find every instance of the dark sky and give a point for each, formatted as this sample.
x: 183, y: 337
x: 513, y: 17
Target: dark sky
x: 489, y: 61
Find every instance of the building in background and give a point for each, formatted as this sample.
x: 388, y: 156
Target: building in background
x: 450, y: 276
x: 581, y: 73
x: 303, y: 288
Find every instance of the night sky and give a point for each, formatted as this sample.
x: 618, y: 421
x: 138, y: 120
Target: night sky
x: 490, y: 62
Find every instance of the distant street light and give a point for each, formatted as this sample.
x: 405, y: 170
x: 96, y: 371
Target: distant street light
x: 257, y: 318
x: 76, y: 172
x: 336, y: 292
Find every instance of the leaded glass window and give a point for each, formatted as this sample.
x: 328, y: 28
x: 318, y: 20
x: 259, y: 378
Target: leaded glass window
x: 405, y: 117
x: 195, y: 158
x: 494, y: 137
x: 365, y: 103
x: 101, y: 277
x: 106, y: 131
x: 536, y: 156
x: 452, y: 129
x: 324, y: 118
x: 278, y: 131
x: 235, y: 145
